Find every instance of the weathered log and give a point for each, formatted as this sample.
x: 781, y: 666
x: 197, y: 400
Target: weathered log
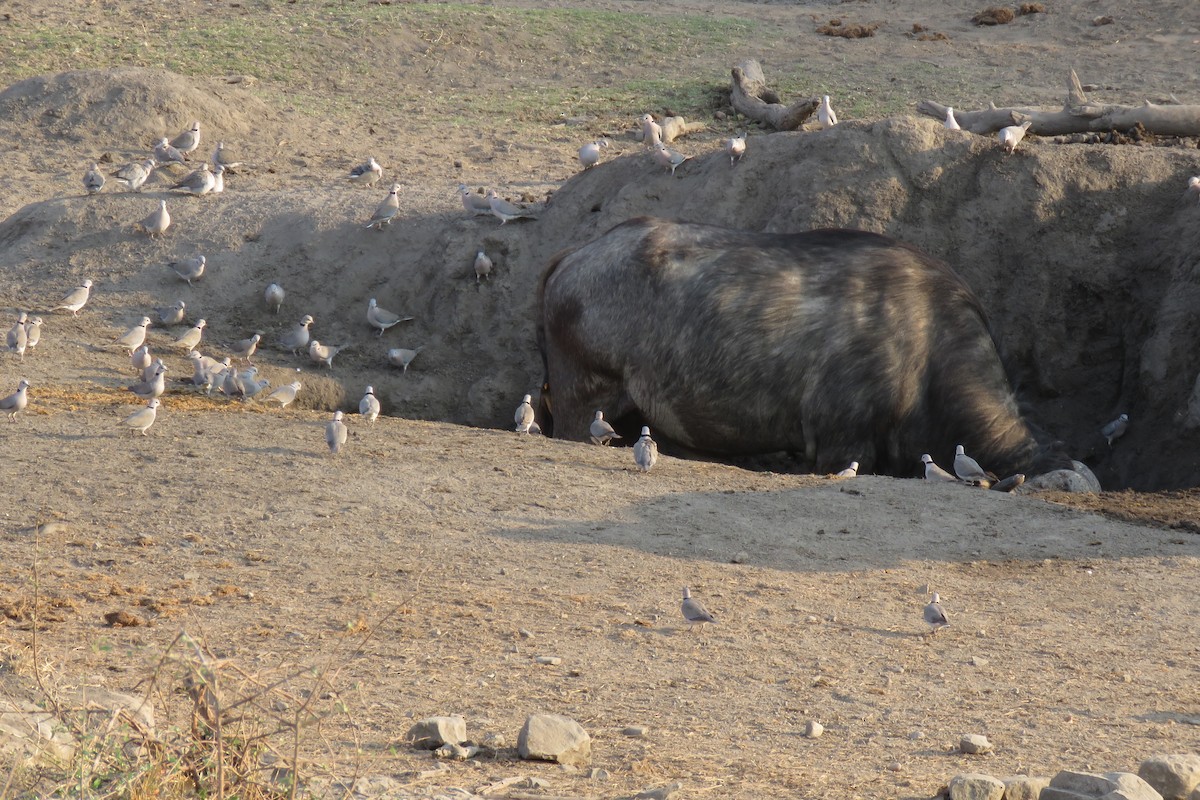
x: 751, y: 97
x: 1077, y: 115
x: 673, y: 128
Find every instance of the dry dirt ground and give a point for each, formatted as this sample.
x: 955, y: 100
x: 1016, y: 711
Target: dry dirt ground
x: 430, y: 564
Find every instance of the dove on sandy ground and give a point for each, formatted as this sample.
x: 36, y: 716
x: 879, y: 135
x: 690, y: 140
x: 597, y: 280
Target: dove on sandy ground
x: 402, y: 356
x: 736, y: 148
x: 214, y: 378
x: 200, y: 367
x: 504, y: 210
x: 694, y: 611
x: 369, y: 405
x: 191, y: 339
x: 935, y: 615
x: 335, y: 433
x: 321, y: 352
x: 273, y: 297
x: 475, y: 203
x: 140, y: 360
x: 154, y: 387
x: 645, y: 451
x: 77, y: 298
x: 1115, y: 429
x: 1011, y: 136
x: 251, y: 386
x: 589, y: 154
x: 367, y: 174
x: 159, y: 220
x: 164, y: 153
x: 135, y: 337
x: 197, y: 182
x: 651, y: 131
x: 93, y: 179
x: 133, y: 175
x: 285, y: 394
x: 849, y: 472
x: 951, y: 124
x: 297, y: 338
x: 1193, y: 186
x: 935, y: 473
x: 382, y: 318
x: 231, y: 384
x: 16, y: 401
x: 223, y: 157
x: 189, y: 269
x: 825, y: 114
x: 483, y: 266
x: 218, y: 174
x: 33, y: 333
x: 968, y: 469
x: 187, y: 141
x: 149, y: 371
x: 245, y: 348
x: 386, y: 210
x: 172, y: 314
x: 142, y: 420
x: 17, y: 339
x: 524, y: 416
x: 669, y: 158
x: 601, y: 431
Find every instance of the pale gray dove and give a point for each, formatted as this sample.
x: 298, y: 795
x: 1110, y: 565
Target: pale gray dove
x: 505, y: 211
x: 645, y: 451
x: 17, y: 339
x: 386, y: 210
x: 189, y: 269
x: 736, y: 148
x: 93, y: 179
x: 77, y: 298
x: 189, y: 140
x: 218, y: 174
x: 367, y: 174
x: 669, y: 158
x: 297, y: 338
x: 133, y: 338
x: 324, y: 353
x: 968, y: 469
x: 1193, y: 186
x: 252, y: 387
x: 164, y: 153
x: 589, y: 154
x: 1115, y: 429
x: 173, y: 314
x: 335, y: 433
x: 651, y: 131
x: 475, y: 203
x: 159, y: 220
x: 369, y: 405
x: 951, y: 124
x: 192, y: 338
x: 285, y: 394
x: 197, y: 182
x: 849, y: 472
x: 935, y: 473
x: 381, y: 318
x: 524, y: 416
x: 141, y: 360
x: 935, y: 615
x: 825, y: 114
x: 154, y: 387
x: 16, y: 401
x: 601, y: 431
x: 245, y: 348
x: 402, y: 357
x: 223, y: 157
x: 149, y: 371
x: 133, y: 176
x: 1011, y: 136
x: 694, y: 611
x: 483, y: 266
x: 143, y: 419
x: 273, y: 297
x: 33, y: 332
x: 214, y: 377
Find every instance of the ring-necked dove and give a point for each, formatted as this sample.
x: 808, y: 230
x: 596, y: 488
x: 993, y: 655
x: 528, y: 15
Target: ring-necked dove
x: 147, y: 373
x: 33, y: 332
x: 651, y: 131
x: 164, y: 153
x: 525, y: 416
x: 200, y: 367
x: 133, y: 175
x: 825, y: 113
x: 369, y: 405
x: 935, y: 615
x: 285, y: 394
x: 197, y: 182
x: 483, y: 266
x: 968, y: 469
x: 402, y: 356
x: 1011, y: 136
x: 504, y: 210
x: 140, y: 360
x: 214, y: 377
x: 694, y: 611
x: 93, y: 179
x: 251, y: 386
x: 17, y: 339
x: 189, y: 269
x: 335, y: 433
x: 382, y: 318
x: 1115, y: 429
x: 191, y: 339
x: 297, y: 338
x: 736, y: 148
x: 1193, y: 186
x: 602, y: 433
x: 589, y: 154
x: 367, y: 174
x: 273, y: 297
x: 16, y: 401
x: 222, y: 157
x: 935, y: 473
x: 231, y: 384
x: 321, y: 352
x: 245, y: 348
x: 159, y: 220
x: 77, y: 298
x: 951, y: 124
x: 135, y: 337
x: 475, y: 203
x: 187, y: 141
x: 386, y: 210
x: 143, y: 419
x: 849, y: 472
x: 154, y: 387
x: 218, y: 174
x: 645, y: 451
x: 171, y: 315
x: 669, y: 158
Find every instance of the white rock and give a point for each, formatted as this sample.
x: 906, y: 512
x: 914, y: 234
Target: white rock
x: 552, y: 737
x: 1069, y: 785
x: 974, y: 743
x: 635, y: 730
x: 456, y: 752
x: 813, y: 729
x: 973, y: 786
x: 553, y: 661
x: 1023, y: 787
x: 32, y: 735
x: 433, y: 732
x: 1173, y: 776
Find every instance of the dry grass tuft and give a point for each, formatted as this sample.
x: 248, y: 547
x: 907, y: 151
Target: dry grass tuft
x: 994, y: 16
x: 851, y: 31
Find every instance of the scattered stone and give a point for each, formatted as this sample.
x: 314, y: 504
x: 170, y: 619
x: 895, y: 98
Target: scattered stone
x: 524, y: 633
x: 497, y: 786
x: 973, y: 786
x: 456, y: 752
x: 975, y: 743
x: 97, y: 705
x: 813, y: 729
x: 552, y: 737
x: 376, y: 786
x: 598, y: 774
x: 1069, y: 785
x: 1059, y: 480
x: 1104, y: 20
x: 1173, y: 776
x: 916, y: 736
x: 1023, y: 787
x: 123, y: 619
x: 660, y: 793
x: 978, y: 661
x: 740, y: 557
x: 433, y: 732
x: 994, y: 16
x: 1031, y: 8
x: 635, y: 730
x: 495, y: 741
x: 553, y: 661
x: 33, y: 736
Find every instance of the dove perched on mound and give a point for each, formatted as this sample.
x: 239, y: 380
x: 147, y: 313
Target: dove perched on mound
x: 367, y: 174
x: 17, y: 339
x: 474, y: 203
x: 524, y: 416
x: 197, y: 182
x: 171, y: 315
x: 505, y: 211
x: 694, y: 611
x: 273, y: 297
x: 951, y: 124
x: 33, y: 332
x: 222, y: 157
x: 825, y: 114
x: 189, y: 269
x: 77, y: 298
x: 369, y: 405
x: 159, y: 220
x: 187, y: 141
x: 297, y: 338
x: 1011, y: 136
x: 669, y: 158
x: 382, y: 318
x: 244, y: 348
x: 132, y: 176
x: 402, y: 356
x: 935, y: 615
x: 589, y: 154
x: 736, y: 148
x: 935, y: 473
x: 93, y: 179
x: 285, y: 394
x: 164, y: 153
x: 483, y: 266
x: 335, y: 433
x: 16, y: 401
x: 133, y: 338
x: 320, y: 352
x: 154, y: 387
x: 968, y: 469
x: 386, y: 210
x: 849, y: 472
x: 651, y: 131
x: 602, y: 433
x: 191, y: 339
x: 1115, y: 429
x: 645, y: 451
x: 143, y: 419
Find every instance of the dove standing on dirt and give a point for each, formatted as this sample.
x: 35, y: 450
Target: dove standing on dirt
x: 140, y: 360
x: 164, y: 153
x: 245, y: 348
x: 1011, y: 136
x: 187, y: 141
x: 273, y: 297
x: 369, y: 405
x: 147, y: 373
x: 475, y: 203
x: 189, y: 269
x: 849, y: 472
x: 402, y: 356
x: 200, y: 367
x: 935, y: 473
x: 651, y: 131
x: 17, y: 339
x: 669, y: 158
x: 297, y: 338
x: 251, y: 387
x: 320, y: 352
x: 93, y: 179
x: 154, y: 387
x: 602, y: 433
x: 504, y: 210
x: 285, y: 394
x: 16, y: 401
x: 736, y: 148
x: 33, y: 333
x: 825, y: 114
x: 218, y: 174
x: 935, y: 615
x: 386, y: 210
x: 645, y: 451
x: 171, y: 315
x: 191, y: 339
x: 159, y: 220
x: 968, y: 469
x: 951, y: 124
x: 335, y: 433
x: 524, y: 416
x: 382, y: 318
x: 694, y: 611
x: 222, y: 157
x: 143, y: 419
x: 589, y: 154
x: 135, y: 337
x: 77, y: 298
x: 231, y: 384
x: 133, y: 176
x: 367, y: 174
x: 1115, y: 429
x: 198, y: 182
x: 483, y: 266
x: 214, y: 377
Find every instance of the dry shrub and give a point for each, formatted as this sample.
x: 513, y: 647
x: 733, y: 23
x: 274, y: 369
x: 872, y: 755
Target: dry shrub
x: 994, y: 16
x: 852, y: 31
x: 1031, y: 8
x: 1105, y: 20
x: 918, y: 28
x: 933, y: 37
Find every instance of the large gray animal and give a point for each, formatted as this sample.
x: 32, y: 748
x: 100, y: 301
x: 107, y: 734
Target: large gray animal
x: 835, y: 345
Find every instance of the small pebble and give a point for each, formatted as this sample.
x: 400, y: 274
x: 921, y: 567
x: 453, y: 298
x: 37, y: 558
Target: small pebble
x: 553, y: 661
x: 635, y: 730
x: 740, y: 557
x: 975, y: 743
x: 524, y: 633
x: 598, y: 774
x: 813, y: 729
x: 977, y: 661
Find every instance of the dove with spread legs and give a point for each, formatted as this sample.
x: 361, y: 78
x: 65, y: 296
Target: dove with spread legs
x: 17, y: 401
x: 143, y: 419
x: 335, y: 433
x: 645, y: 451
x: 602, y: 433
x: 381, y: 318
x: 133, y: 338
x: 524, y: 416
x: 159, y: 220
x: 318, y: 352
x: 369, y: 405
x: 273, y: 297
x: 93, y: 179
x: 76, y: 299
x: 505, y: 211
x: 297, y: 338
x: 483, y: 266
